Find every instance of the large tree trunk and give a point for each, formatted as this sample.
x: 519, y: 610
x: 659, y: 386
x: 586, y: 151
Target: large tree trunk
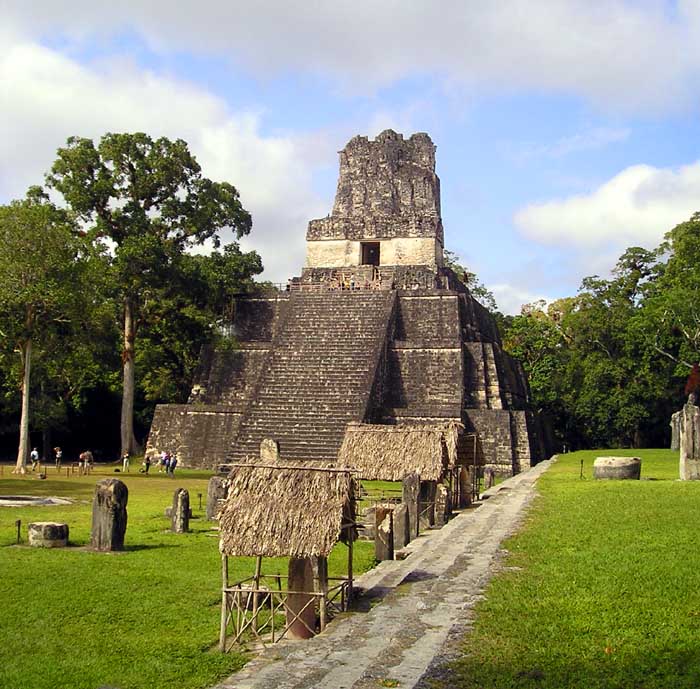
x: 23, y: 451
x: 128, y: 441
x: 46, y: 450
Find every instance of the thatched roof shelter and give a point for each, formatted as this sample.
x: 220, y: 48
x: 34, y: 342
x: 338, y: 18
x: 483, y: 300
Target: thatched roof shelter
x: 388, y: 453
x: 285, y: 511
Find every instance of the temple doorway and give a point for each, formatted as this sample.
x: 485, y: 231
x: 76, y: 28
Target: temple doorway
x: 370, y: 253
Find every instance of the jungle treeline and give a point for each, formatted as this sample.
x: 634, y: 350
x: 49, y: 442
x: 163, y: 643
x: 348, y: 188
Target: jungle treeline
x: 608, y: 366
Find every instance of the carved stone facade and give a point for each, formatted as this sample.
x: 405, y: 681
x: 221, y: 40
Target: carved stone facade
x: 361, y: 341
x: 387, y: 207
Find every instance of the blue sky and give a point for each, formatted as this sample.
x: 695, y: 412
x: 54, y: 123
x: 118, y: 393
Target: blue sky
x: 566, y: 130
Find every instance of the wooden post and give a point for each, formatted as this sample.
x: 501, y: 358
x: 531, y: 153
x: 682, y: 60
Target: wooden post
x: 256, y: 584
x: 224, y: 586
x: 350, y: 577
x: 322, y: 587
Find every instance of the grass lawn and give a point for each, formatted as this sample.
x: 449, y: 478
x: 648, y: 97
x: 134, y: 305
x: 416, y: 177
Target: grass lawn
x: 600, y: 588
x: 147, y: 617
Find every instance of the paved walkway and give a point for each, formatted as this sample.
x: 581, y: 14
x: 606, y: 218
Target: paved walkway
x: 422, y: 608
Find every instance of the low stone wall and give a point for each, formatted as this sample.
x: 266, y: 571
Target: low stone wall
x: 200, y: 435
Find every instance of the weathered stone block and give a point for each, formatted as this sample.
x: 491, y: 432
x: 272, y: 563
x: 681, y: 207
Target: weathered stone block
x: 48, y: 535
x: 269, y: 450
x: 441, y: 505
x: 465, y: 488
x: 617, y: 468
x: 675, y: 424
x: 109, y: 516
x: 384, y: 541
x: 368, y: 530
x: 180, y: 513
x: 217, y: 491
x: 402, y: 531
x: 411, y: 498
x: 689, y: 442
x: 427, y: 504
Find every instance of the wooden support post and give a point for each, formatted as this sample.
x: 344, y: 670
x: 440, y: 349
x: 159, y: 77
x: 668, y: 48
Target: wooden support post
x: 350, y: 575
x: 322, y: 587
x: 256, y: 585
x: 224, y: 586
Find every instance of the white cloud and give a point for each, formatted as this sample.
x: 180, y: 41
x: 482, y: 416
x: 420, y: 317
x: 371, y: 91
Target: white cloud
x: 510, y: 298
x: 591, y: 139
x: 614, y: 53
x: 634, y: 208
x: 47, y: 97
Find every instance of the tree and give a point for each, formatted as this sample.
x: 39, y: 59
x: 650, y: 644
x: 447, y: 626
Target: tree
x: 39, y: 272
x: 470, y: 280
x: 591, y: 361
x: 149, y: 199
x: 192, y: 311
x: 672, y: 311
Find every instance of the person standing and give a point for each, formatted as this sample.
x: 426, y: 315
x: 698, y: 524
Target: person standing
x: 173, y: 464
x: 34, y: 456
x: 125, y: 463
x: 147, y: 464
x: 59, y: 456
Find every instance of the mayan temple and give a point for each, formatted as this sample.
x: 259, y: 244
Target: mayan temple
x: 375, y: 331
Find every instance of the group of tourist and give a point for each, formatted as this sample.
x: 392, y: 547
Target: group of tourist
x: 167, y: 463
x: 85, y: 459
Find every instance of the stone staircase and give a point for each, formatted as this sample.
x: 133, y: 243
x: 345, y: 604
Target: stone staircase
x: 318, y: 375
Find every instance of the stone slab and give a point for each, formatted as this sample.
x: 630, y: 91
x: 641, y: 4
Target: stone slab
x: 48, y: 534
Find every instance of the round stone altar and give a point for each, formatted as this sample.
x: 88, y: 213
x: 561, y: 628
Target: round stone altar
x: 617, y: 468
x: 48, y: 535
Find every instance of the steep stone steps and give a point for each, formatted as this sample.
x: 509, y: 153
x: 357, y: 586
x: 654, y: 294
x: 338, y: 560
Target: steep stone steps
x: 318, y: 374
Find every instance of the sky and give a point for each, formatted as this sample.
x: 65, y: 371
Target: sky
x: 566, y: 130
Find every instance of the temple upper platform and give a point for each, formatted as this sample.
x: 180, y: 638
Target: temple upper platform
x: 386, y: 210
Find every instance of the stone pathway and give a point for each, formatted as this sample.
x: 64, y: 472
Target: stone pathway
x: 422, y: 608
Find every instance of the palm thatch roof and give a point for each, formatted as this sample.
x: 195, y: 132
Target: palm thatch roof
x: 284, y: 511
x: 388, y: 453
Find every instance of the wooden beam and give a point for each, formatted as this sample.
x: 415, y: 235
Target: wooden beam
x: 331, y: 470
x: 224, y: 603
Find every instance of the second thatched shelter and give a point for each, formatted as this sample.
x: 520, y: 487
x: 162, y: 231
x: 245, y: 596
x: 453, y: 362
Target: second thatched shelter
x: 388, y: 453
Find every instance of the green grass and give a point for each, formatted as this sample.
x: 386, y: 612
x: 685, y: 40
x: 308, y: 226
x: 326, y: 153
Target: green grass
x: 148, y: 617
x: 600, y: 588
